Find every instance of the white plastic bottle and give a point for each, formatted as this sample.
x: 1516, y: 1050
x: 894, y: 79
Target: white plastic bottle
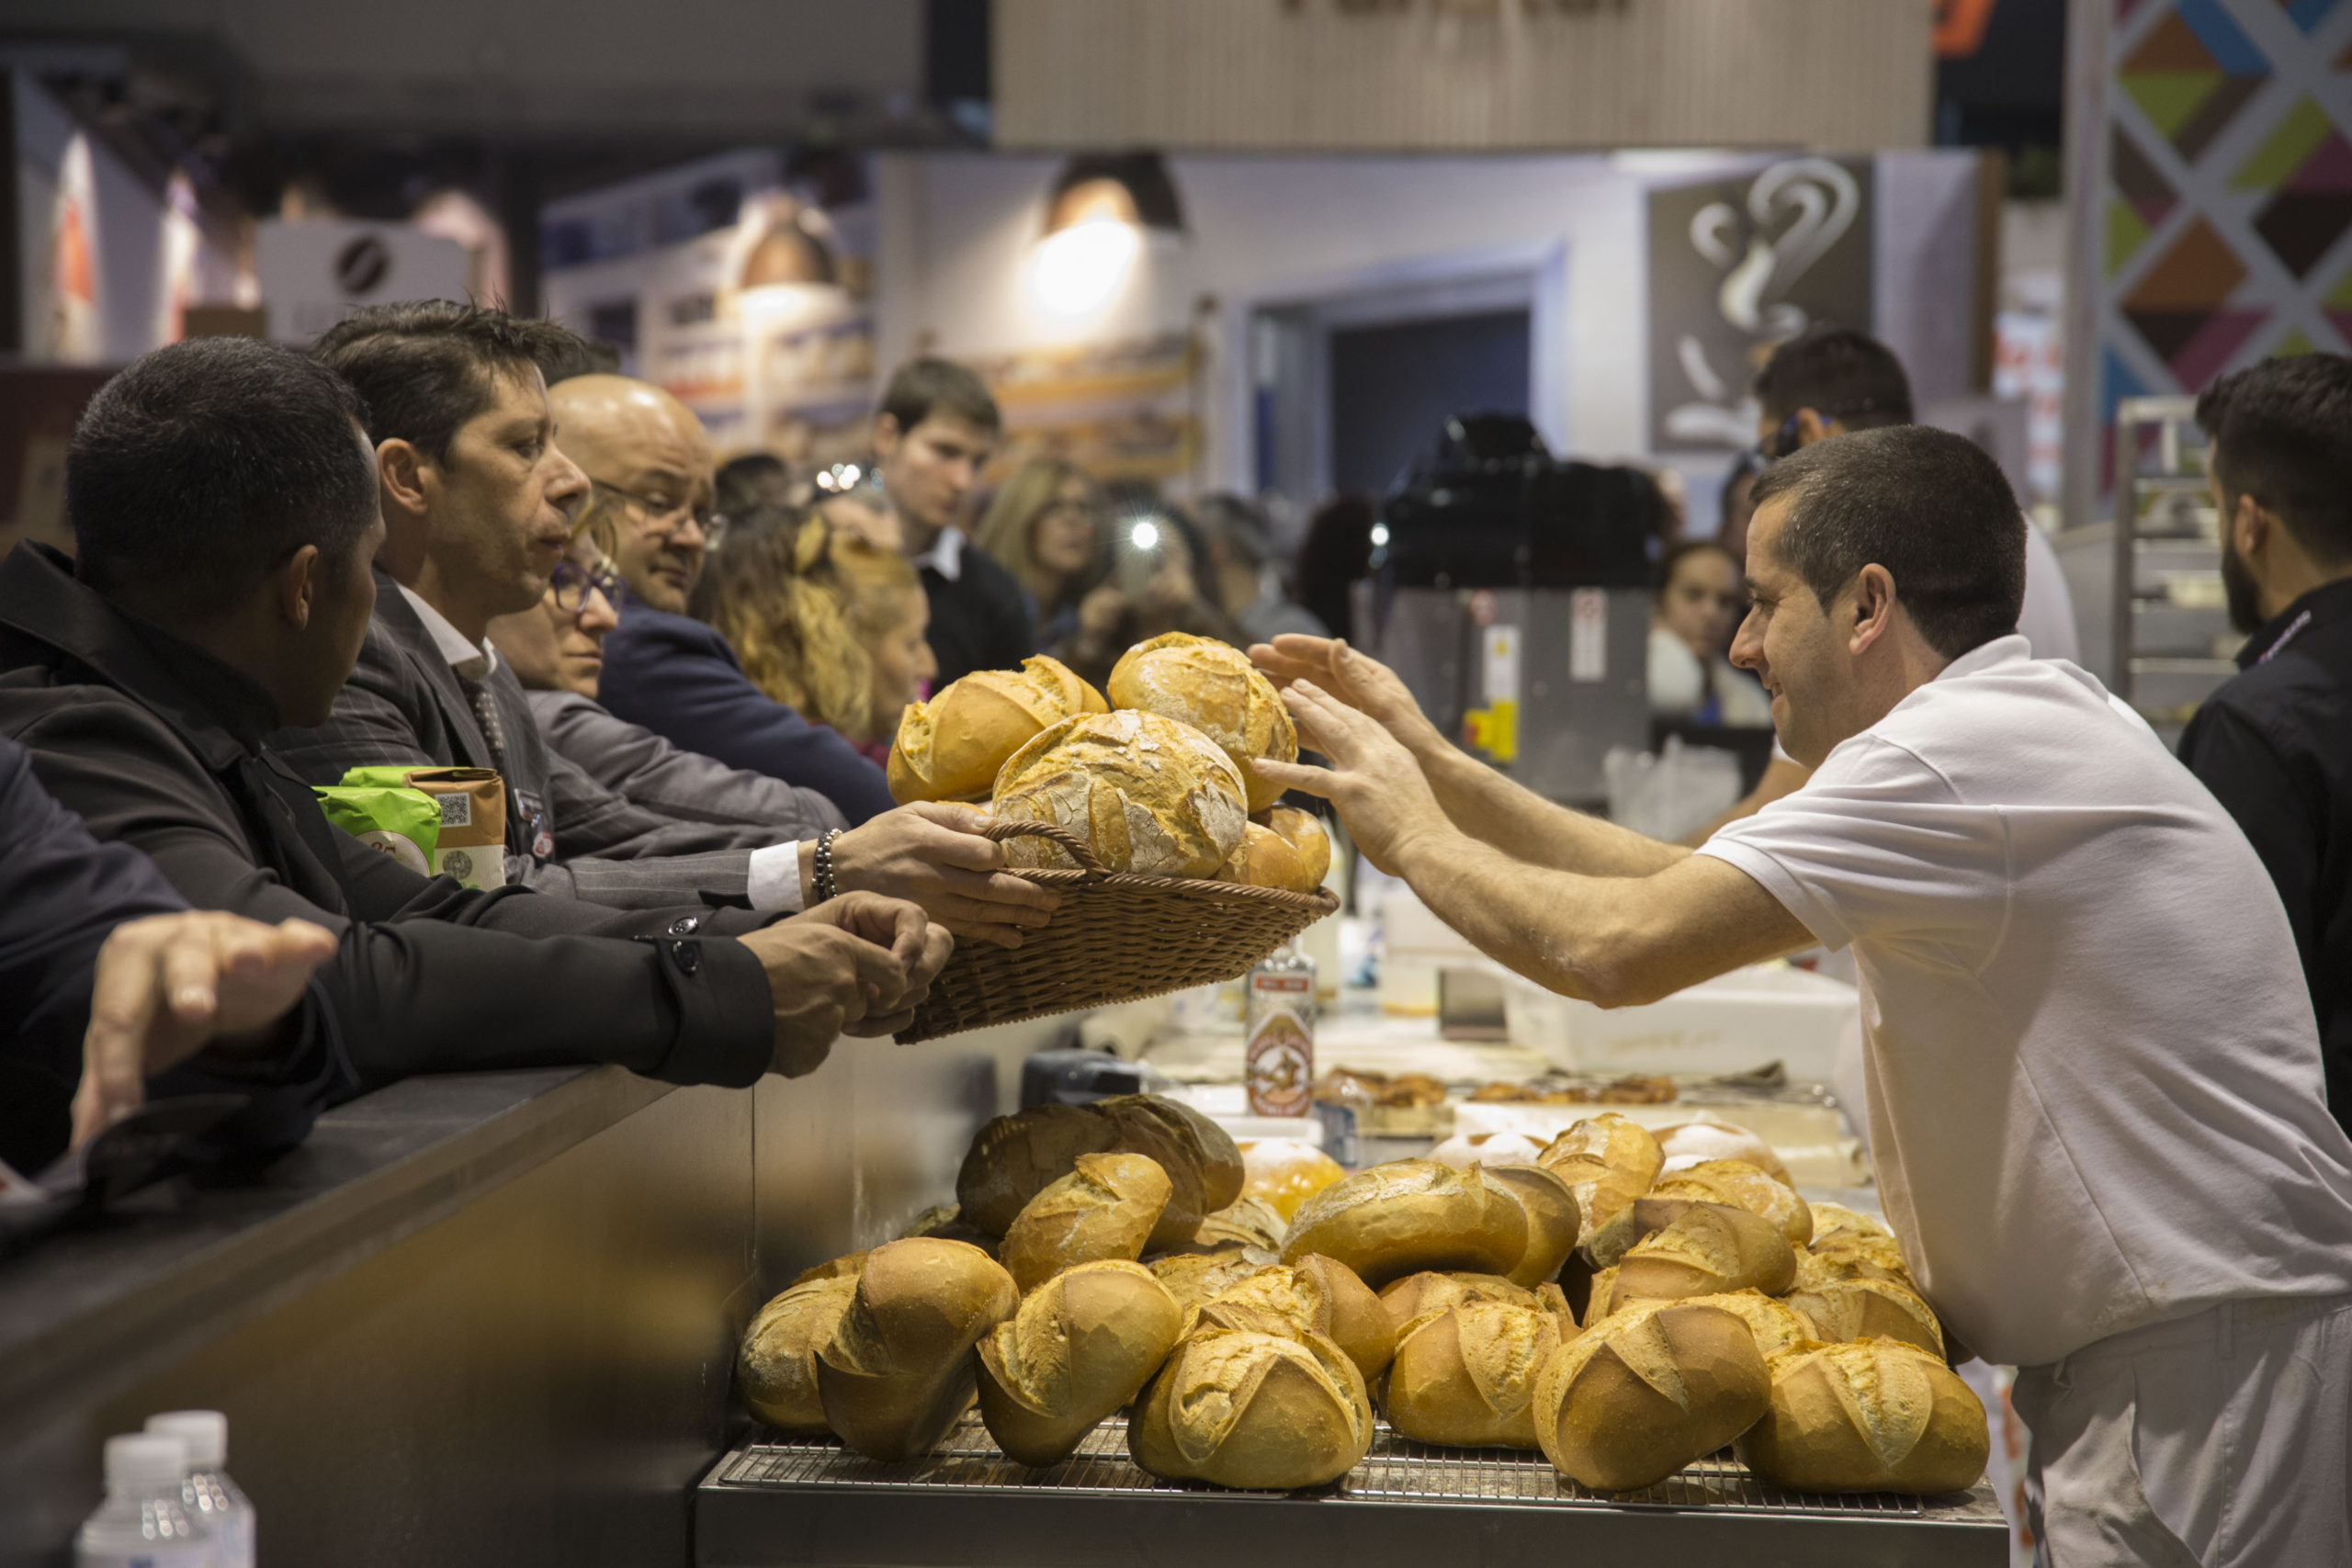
x: 208, y: 1491
x: 142, y: 1523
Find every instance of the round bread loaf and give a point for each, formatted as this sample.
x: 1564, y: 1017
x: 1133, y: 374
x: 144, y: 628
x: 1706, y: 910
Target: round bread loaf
x: 1828, y: 1218
x: 1776, y: 1325
x: 1643, y: 1392
x: 1314, y: 1295
x: 1688, y: 1143
x: 1147, y: 795
x: 951, y: 747
x: 1418, y: 1295
x: 1408, y: 1215
x: 777, y: 1363
x: 1082, y: 1345
x: 1250, y: 1221
x: 1103, y: 1209
x: 1265, y: 859
x: 1711, y: 1249
x: 1634, y: 1224
x: 847, y: 1265
x: 1853, y: 1255
x: 1237, y: 1408
x: 1213, y: 687
x: 1876, y: 1417
x: 1016, y: 1157
x: 1465, y: 1377
x: 1744, y: 1187
x: 1869, y: 1309
x: 1305, y: 834
x: 1607, y: 1162
x: 1284, y: 1173
x: 1552, y: 1220
x: 1196, y: 1279
x: 897, y: 1369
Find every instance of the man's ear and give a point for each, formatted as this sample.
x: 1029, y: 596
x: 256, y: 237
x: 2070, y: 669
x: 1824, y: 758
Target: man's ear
x: 1874, y: 603
x: 1812, y: 427
x: 2250, y: 526
x: 295, y: 587
x: 886, y: 436
x: 403, y: 469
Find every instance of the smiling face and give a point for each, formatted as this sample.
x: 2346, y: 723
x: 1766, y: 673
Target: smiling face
x: 499, y: 507
x: 1798, y: 646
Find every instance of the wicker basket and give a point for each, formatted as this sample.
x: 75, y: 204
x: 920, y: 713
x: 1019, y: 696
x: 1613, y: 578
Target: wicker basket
x: 1115, y: 938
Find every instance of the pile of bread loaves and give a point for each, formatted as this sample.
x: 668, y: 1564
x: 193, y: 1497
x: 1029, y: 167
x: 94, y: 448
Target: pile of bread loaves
x: 1255, y: 1309
x: 1156, y: 780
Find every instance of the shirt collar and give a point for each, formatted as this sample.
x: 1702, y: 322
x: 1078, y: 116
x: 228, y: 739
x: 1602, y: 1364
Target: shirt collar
x: 2323, y: 605
x: 1986, y: 655
x: 945, y: 556
x: 471, y: 662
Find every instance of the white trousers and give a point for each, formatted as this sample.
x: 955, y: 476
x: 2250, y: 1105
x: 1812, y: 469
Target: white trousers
x: 2221, y: 1440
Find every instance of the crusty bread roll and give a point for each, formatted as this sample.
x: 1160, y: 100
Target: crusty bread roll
x: 1552, y: 1220
x: 1408, y: 1215
x: 1874, y: 1417
x: 1710, y: 1249
x: 1105, y: 1209
x: 1250, y: 1221
x: 1305, y: 834
x: 897, y: 1369
x: 1853, y: 1255
x: 1643, y: 1392
x: 1775, y: 1324
x: 1082, y: 1346
x: 1196, y: 1279
x: 1828, y: 1218
x: 1744, y: 1187
x: 1214, y: 688
x: 1265, y: 859
x: 951, y: 747
x: 1147, y: 793
x: 777, y: 1363
x: 1869, y: 1309
x: 1016, y: 1157
x: 1634, y: 1224
x: 847, y: 1265
x: 1417, y: 1295
x: 1688, y: 1143
x: 1284, y: 1173
x: 1237, y: 1408
x: 1465, y: 1377
x: 1314, y: 1295
x: 1607, y: 1162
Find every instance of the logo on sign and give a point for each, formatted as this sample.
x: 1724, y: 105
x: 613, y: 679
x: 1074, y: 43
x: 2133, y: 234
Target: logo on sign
x: 361, y: 265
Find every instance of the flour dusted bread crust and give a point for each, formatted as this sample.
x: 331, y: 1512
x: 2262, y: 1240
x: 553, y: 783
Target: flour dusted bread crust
x: 1869, y: 1309
x: 1832, y: 1219
x: 1103, y: 1209
x: 897, y: 1369
x: 1645, y: 1392
x: 1147, y: 795
x: 1196, y: 1279
x: 1711, y: 1249
x: 777, y: 1363
x: 1874, y: 1417
x: 1315, y: 1295
x: 1607, y: 1162
x: 1417, y: 1295
x: 1265, y: 859
x: 1464, y: 1377
x: 951, y: 747
x: 1082, y: 1346
x: 1689, y: 1143
x: 1213, y: 687
x: 1408, y: 1215
x: 1743, y: 1186
x: 1853, y: 1255
x: 1776, y: 1325
x: 1304, y: 834
x: 1243, y: 1409
x: 1553, y: 1221
x: 1016, y: 1157
x: 1253, y: 1221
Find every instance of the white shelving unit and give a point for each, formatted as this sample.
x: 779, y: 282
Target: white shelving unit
x: 2173, y: 642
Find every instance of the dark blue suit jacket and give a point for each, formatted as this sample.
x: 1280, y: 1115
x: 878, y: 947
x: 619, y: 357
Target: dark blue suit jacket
x: 679, y: 679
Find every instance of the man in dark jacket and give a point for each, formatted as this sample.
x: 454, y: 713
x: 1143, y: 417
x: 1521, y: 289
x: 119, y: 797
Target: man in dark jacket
x: 222, y: 497
x: 2273, y: 744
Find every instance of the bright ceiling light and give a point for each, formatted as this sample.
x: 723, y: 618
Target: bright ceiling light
x: 1077, y: 271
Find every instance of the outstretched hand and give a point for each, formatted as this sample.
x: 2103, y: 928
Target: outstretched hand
x: 1382, y: 794
x: 1351, y: 677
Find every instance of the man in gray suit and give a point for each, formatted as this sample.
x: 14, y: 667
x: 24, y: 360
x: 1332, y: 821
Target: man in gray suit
x: 480, y: 505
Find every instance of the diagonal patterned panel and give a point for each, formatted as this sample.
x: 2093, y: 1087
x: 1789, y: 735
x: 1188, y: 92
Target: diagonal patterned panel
x: 2306, y: 164
x: 2179, y: 306
x: 2308, y: 14
x: 2336, y: 305
x: 2140, y: 199
x: 2192, y: 73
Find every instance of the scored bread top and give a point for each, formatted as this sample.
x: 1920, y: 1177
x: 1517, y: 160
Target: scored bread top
x: 1607, y: 1161
x: 1220, y: 1371
x: 1213, y: 687
x: 1148, y: 795
x: 1744, y: 1186
x: 1776, y: 1325
x: 1033, y: 1353
x: 916, y: 1301
x: 951, y: 747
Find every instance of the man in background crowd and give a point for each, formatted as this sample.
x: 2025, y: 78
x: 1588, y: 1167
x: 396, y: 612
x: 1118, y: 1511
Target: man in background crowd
x: 1243, y: 570
x: 224, y: 504
x: 932, y: 435
x: 2275, y: 743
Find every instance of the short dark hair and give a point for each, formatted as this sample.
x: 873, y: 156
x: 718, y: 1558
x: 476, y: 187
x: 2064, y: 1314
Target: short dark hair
x: 922, y: 387
x: 1932, y: 508
x: 1682, y: 550
x: 740, y: 479
x: 203, y: 466
x: 425, y: 367
x: 2282, y: 433
x: 1838, y: 373
x: 1240, y: 524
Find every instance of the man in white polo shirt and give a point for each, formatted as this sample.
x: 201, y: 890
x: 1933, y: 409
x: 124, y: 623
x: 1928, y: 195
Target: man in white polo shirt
x: 2094, y: 1076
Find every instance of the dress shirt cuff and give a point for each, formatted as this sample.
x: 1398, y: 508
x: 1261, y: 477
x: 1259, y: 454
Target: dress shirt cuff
x: 775, y: 879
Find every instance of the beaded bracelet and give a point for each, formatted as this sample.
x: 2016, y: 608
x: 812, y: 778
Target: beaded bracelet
x: 824, y: 867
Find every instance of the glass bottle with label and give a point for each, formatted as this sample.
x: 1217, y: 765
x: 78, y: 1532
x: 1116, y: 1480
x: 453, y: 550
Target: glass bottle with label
x: 1278, y: 1039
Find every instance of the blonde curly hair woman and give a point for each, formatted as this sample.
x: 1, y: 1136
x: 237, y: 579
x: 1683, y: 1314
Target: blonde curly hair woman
x: 824, y: 621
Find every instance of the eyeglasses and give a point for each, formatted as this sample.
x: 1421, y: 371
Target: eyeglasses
x: 570, y: 583
x: 666, y: 517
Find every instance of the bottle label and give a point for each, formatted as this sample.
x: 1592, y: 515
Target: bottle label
x: 1281, y: 1056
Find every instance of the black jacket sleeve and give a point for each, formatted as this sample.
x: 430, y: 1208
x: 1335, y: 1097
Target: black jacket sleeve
x: 430, y: 976
x: 2279, y: 812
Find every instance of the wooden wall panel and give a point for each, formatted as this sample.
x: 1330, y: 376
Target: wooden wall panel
x: 1449, y: 74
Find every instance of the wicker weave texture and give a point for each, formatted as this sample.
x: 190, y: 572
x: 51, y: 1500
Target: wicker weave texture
x: 1115, y: 938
